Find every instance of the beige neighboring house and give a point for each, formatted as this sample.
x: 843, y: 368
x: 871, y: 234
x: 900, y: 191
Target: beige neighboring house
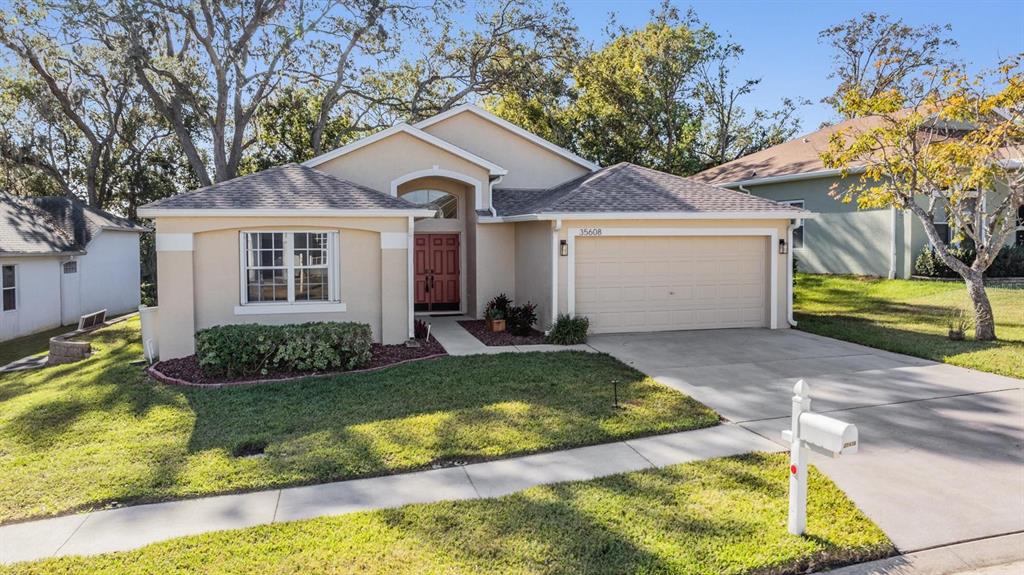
x: 440, y: 216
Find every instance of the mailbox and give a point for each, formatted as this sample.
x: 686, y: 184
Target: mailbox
x: 828, y: 434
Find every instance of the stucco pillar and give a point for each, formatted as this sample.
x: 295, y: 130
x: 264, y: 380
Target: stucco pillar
x: 394, y: 287
x: 175, y: 294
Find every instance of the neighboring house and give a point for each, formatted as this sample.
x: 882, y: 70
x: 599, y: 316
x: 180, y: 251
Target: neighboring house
x: 441, y: 216
x: 61, y: 259
x: 842, y: 239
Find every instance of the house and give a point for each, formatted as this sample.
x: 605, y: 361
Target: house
x: 441, y: 216
x: 842, y: 239
x: 60, y: 259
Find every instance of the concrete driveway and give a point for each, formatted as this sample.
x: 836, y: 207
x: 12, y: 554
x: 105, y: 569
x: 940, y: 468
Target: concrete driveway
x: 942, y: 448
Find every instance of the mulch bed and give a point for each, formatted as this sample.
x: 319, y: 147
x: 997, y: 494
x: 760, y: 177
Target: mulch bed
x: 186, y: 371
x: 478, y: 327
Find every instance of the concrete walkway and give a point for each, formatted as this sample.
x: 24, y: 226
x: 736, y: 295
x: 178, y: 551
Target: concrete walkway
x: 132, y: 527
x: 991, y: 556
x: 458, y: 341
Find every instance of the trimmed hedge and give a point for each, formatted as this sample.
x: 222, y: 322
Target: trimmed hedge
x: 1009, y: 262
x: 251, y: 349
x: 569, y: 330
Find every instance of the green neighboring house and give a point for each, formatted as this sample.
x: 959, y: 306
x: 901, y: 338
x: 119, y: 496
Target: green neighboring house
x: 841, y: 239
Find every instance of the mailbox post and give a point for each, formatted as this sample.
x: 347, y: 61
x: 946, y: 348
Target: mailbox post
x: 814, y: 431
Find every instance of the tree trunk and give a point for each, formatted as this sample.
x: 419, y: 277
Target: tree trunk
x: 984, y: 321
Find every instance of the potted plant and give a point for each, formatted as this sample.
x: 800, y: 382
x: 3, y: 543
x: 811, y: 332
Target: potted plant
x: 495, y: 319
x: 496, y: 312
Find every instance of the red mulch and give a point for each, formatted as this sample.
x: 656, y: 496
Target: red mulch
x: 187, y: 369
x: 478, y: 327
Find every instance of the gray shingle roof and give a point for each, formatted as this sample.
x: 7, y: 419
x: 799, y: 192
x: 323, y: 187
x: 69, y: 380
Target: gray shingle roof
x: 27, y: 229
x: 627, y: 187
x: 291, y: 186
x: 80, y: 221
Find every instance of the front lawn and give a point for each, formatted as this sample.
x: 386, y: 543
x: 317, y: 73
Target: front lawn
x: 722, y: 516
x: 910, y: 317
x: 35, y: 344
x: 96, y: 433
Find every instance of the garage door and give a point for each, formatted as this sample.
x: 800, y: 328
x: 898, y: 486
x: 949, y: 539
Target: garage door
x: 671, y: 283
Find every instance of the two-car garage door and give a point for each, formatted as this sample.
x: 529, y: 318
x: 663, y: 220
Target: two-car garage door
x: 659, y: 283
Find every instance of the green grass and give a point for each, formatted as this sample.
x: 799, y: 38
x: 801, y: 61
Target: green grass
x: 910, y: 317
x: 35, y: 344
x: 722, y: 516
x: 98, y: 432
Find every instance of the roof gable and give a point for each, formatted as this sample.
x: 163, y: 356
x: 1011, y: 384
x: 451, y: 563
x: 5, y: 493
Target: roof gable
x: 491, y: 167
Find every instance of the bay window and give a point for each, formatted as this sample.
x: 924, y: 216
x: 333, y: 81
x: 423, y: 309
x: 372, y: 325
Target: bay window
x: 298, y: 268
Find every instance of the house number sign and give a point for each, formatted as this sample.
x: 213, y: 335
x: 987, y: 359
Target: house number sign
x: 590, y: 231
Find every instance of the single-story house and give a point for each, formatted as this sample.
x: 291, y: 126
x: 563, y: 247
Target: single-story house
x: 842, y: 239
x: 441, y: 216
x: 61, y: 259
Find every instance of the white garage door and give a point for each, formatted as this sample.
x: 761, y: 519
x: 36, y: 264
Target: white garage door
x: 659, y: 283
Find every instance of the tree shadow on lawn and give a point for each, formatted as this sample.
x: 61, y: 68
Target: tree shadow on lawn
x: 718, y: 517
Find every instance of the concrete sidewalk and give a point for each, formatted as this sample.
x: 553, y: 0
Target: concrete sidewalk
x: 1002, y: 555
x: 132, y: 527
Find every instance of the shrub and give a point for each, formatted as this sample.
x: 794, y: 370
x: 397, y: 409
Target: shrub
x: 498, y: 307
x: 252, y: 349
x: 520, y: 318
x: 1009, y: 262
x: 419, y: 330
x: 569, y: 330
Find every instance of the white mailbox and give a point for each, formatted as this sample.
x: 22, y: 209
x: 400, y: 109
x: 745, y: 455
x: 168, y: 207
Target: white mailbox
x: 811, y: 431
x: 827, y: 434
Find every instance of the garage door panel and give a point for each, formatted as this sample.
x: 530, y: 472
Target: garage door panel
x: 671, y: 283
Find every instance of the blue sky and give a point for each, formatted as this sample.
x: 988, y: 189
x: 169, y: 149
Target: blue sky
x: 780, y: 38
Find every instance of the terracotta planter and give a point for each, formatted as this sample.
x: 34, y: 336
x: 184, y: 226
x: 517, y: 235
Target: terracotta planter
x: 495, y: 325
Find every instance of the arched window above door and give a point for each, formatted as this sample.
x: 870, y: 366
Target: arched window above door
x: 446, y: 204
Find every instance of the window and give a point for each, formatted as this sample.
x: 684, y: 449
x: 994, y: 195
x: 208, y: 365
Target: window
x: 70, y: 267
x: 447, y: 205
x: 7, y: 286
x: 798, y: 232
x: 289, y: 267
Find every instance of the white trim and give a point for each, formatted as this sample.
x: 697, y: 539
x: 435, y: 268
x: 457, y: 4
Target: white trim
x: 333, y: 267
x: 289, y: 308
x: 771, y: 233
x: 166, y: 242
x: 435, y: 171
x: 410, y: 279
x: 534, y: 138
x: 394, y: 240
x: 555, y: 245
x: 290, y: 212
x: 789, y: 177
x: 768, y: 215
x: 403, y: 128
x: 793, y: 224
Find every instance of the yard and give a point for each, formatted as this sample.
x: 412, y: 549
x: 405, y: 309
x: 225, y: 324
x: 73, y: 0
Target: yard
x: 35, y: 344
x: 100, y: 433
x: 910, y: 317
x: 711, y: 517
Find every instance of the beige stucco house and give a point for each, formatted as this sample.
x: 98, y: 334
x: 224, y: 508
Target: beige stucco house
x: 440, y: 216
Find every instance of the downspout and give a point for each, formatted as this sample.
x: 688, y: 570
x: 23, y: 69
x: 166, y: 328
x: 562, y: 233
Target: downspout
x: 744, y: 190
x: 793, y: 224
x: 554, y: 269
x: 490, y: 205
x: 892, y: 242
x: 410, y: 277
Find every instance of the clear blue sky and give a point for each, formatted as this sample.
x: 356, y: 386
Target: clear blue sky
x: 780, y: 38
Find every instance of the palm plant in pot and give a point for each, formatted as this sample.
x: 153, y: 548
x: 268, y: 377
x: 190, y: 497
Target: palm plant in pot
x: 496, y: 312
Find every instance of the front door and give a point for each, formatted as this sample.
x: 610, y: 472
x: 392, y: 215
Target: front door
x: 436, y: 258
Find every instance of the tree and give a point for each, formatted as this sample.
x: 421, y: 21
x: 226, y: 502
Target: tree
x: 729, y: 132
x: 64, y: 104
x: 874, y: 54
x: 934, y: 148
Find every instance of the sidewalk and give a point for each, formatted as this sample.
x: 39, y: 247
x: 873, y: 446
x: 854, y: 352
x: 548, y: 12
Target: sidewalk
x: 132, y: 527
x: 1003, y: 555
x: 458, y: 341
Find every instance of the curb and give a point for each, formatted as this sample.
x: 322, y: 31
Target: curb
x: 945, y: 560
x: 165, y: 379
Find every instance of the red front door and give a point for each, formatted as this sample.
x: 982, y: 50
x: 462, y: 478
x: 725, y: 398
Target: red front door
x: 436, y: 258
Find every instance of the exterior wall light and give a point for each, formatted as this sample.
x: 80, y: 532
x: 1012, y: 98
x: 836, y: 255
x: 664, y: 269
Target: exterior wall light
x: 563, y: 248
x: 783, y: 248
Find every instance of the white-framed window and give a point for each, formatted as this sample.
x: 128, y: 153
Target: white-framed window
x: 289, y: 267
x: 8, y: 288
x: 447, y: 205
x: 798, y: 232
